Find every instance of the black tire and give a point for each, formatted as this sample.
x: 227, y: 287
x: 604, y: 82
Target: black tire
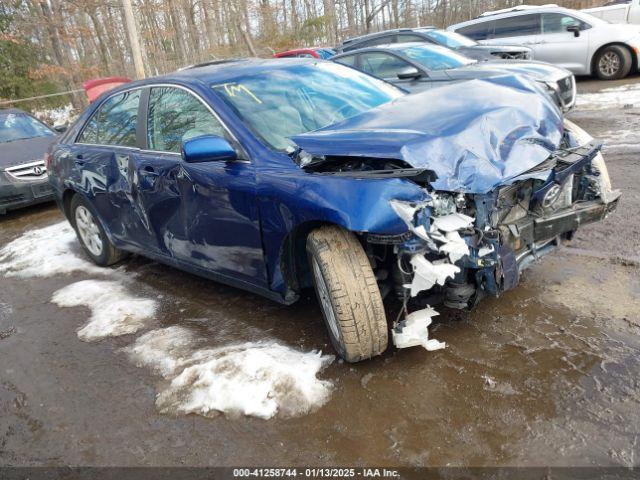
x: 108, y: 254
x: 348, y: 294
x: 613, y: 62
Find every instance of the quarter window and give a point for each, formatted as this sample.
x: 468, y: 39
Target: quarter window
x: 382, y: 65
x: 115, y: 122
x: 175, y: 116
x: 518, y: 26
x: 478, y: 31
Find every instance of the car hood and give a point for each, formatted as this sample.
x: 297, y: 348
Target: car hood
x: 24, y: 151
x: 473, y: 135
x: 536, y: 70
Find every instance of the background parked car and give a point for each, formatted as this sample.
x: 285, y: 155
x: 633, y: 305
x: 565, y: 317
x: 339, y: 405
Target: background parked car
x: 417, y: 66
x: 571, y: 39
x: 315, y: 52
x: 24, y: 141
x: 617, y: 11
x: 432, y: 35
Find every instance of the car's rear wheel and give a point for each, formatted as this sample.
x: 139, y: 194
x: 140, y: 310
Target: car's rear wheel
x: 613, y: 62
x: 92, y: 237
x: 348, y: 294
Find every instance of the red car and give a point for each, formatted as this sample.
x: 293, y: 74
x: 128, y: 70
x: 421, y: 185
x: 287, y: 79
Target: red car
x: 314, y: 52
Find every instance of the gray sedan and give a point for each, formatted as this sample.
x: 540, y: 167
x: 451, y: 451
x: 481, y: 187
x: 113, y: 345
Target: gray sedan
x: 418, y: 66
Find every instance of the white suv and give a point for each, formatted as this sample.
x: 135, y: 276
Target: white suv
x: 571, y: 39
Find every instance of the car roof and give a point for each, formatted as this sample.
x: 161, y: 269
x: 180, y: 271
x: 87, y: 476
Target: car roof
x: 511, y: 12
x: 219, y: 71
x: 385, y: 32
x: 12, y: 110
x: 393, y: 46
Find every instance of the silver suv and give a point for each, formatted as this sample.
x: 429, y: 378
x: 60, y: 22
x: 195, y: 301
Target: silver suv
x: 574, y: 40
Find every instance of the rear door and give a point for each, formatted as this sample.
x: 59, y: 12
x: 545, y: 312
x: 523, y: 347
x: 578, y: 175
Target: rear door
x: 561, y: 47
x: 104, y: 156
x: 202, y: 214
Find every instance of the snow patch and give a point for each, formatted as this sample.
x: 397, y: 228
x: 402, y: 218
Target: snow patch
x: 260, y: 379
x: 616, y: 97
x: 114, y: 311
x: 44, y: 252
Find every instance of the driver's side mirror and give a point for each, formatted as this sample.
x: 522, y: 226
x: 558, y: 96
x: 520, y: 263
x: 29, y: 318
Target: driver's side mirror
x: 575, y: 29
x: 409, y: 73
x: 208, y: 148
x: 60, y: 128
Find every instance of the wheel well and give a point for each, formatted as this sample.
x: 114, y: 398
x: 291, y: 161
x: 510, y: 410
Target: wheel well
x: 66, y: 202
x: 634, y: 57
x: 293, y: 259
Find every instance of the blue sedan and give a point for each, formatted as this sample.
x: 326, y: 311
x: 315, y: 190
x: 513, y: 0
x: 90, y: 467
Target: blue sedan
x: 278, y: 175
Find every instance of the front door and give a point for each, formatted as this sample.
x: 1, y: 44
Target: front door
x: 203, y: 214
x: 561, y: 47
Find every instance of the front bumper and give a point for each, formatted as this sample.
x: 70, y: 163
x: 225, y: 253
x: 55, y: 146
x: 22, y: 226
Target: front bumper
x: 16, y: 195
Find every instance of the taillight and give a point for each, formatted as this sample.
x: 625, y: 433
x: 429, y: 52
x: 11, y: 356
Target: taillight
x: 48, y: 158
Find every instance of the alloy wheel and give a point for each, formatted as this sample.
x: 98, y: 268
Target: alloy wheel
x: 609, y: 64
x: 88, y: 230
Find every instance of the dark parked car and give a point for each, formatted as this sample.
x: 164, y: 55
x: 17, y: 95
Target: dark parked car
x: 275, y: 176
x: 24, y: 140
x: 418, y: 66
x: 436, y: 36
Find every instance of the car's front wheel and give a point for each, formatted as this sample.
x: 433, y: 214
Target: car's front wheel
x: 92, y: 237
x: 348, y: 294
x: 613, y: 62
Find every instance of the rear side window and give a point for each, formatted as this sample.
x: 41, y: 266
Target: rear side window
x: 382, y: 65
x: 478, y: 31
x: 517, y: 26
x: 115, y: 122
x: 175, y: 116
x: 558, y: 23
x: 383, y: 40
x: 405, y: 37
x: 348, y: 60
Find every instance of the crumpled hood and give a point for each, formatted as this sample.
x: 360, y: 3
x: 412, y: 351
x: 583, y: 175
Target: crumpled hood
x: 474, y: 135
x: 537, y: 70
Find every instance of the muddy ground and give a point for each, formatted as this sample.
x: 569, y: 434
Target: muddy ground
x: 548, y: 374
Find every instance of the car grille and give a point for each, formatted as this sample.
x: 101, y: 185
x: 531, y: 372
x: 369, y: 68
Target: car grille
x: 567, y: 91
x: 524, y: 55
x: 28, y: 171
x: 11, y: 198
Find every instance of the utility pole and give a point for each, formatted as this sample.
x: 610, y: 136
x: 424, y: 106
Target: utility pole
x: 132, y: 33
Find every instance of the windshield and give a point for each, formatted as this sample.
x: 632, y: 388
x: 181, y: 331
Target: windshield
x: 282, y: 102
x: 20, y: 126
x: 434, y: 57
x: 450, y: 39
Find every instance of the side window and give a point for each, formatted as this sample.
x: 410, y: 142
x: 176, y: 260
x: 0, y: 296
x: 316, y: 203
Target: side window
x: 383, y: 65
x: 478, y: 31
x: 517, y: 26
x: 347, y: 60
x: 115, y: 122
x: 175, y: 115
x: 407, y: 37
x: 558, y: 23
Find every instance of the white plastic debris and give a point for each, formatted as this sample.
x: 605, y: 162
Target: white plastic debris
x: 428, y: 274
x: 454, y: 246
x: 414, y: 331
x: 485, y: 250
x: 452, y: 222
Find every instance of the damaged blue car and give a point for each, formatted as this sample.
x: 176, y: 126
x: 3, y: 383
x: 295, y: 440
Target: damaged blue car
x: 278, y: 175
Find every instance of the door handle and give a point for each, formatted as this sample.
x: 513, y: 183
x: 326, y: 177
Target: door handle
x: 149, y: 171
